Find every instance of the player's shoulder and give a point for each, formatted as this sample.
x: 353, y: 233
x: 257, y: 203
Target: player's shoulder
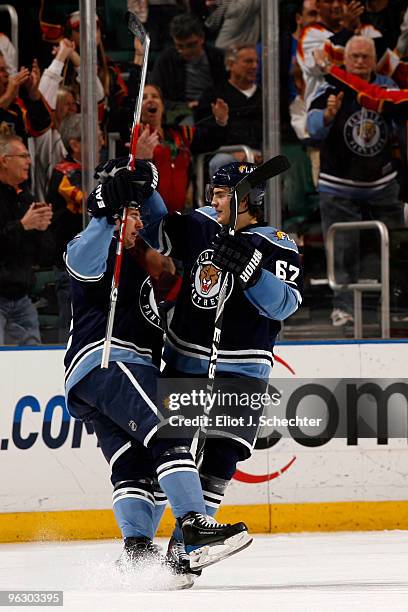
x: 205, y: 214
x: 274, y: 236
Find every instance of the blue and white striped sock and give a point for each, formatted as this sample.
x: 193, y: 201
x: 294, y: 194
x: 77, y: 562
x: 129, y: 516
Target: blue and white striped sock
x: 213, y: 492
x: 133, y: 506
x: 178, y: 478
x: 160, y: 501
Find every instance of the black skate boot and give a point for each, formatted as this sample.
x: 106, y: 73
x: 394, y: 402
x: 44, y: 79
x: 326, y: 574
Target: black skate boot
x: 136, y: 551
x: 207, y: 541
x: 141, y: 551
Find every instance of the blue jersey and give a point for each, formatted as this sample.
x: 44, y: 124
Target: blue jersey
x: 356, y: 158
x: 251, y: 318
x: 137, y: 333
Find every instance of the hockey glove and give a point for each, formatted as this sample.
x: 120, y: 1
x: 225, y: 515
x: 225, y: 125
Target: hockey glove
x: 234, y: 254
x: 109, y: 198
x: 145, y: 173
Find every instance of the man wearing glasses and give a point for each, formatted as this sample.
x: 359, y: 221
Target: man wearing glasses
x: 185, y: 71
x: 24, y: 242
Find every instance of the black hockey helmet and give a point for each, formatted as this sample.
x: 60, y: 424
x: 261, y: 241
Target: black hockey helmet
x: 230, y: 175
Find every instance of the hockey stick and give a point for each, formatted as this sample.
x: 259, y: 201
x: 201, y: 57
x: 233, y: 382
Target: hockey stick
x: 272, y: 167
x: 137, y: 30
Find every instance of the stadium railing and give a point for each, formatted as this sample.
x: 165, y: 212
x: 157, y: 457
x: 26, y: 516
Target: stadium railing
x: 383, y: 285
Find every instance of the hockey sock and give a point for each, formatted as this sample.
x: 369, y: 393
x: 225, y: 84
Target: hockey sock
x: 221, y: 457
x: 133, y: 506
x: 178, y: 478
x: 213, y: 492
x: 160, y: 501
x: 219, y: 465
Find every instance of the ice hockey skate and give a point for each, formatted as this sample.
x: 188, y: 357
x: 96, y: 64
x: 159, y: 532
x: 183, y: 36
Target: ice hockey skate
x: 177, y: 557
x: 207, y: 541
x: 140, y: 552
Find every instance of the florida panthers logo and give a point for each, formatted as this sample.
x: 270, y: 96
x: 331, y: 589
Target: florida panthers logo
x: 209, y: 277
x: 366, y: 133
x: 205, y: 281
x: 148, y: 304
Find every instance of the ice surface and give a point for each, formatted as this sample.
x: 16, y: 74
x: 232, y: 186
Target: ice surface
x: 307, y: 572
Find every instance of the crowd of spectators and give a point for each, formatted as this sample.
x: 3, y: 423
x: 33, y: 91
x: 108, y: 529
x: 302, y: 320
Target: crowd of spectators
x: 203, y: 91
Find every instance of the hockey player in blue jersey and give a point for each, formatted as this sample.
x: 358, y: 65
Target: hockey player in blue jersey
x: 120, y: 401
x: 255, y: 305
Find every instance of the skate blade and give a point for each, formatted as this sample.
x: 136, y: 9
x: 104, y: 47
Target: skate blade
x: 179, y: 583
x: 175, y: 582
x: 213, y: 553
x: 172, y: 582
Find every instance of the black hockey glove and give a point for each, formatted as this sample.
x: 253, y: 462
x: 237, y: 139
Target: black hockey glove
x: 145, y: 172
x: 234, y: 254
x: 109, y: 198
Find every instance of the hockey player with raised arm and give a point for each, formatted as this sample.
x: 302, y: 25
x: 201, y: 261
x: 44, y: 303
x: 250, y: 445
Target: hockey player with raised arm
x: 120, y: 401
x: 255, y: 305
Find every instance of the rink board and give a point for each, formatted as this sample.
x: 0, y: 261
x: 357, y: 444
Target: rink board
x: 55, y: 482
